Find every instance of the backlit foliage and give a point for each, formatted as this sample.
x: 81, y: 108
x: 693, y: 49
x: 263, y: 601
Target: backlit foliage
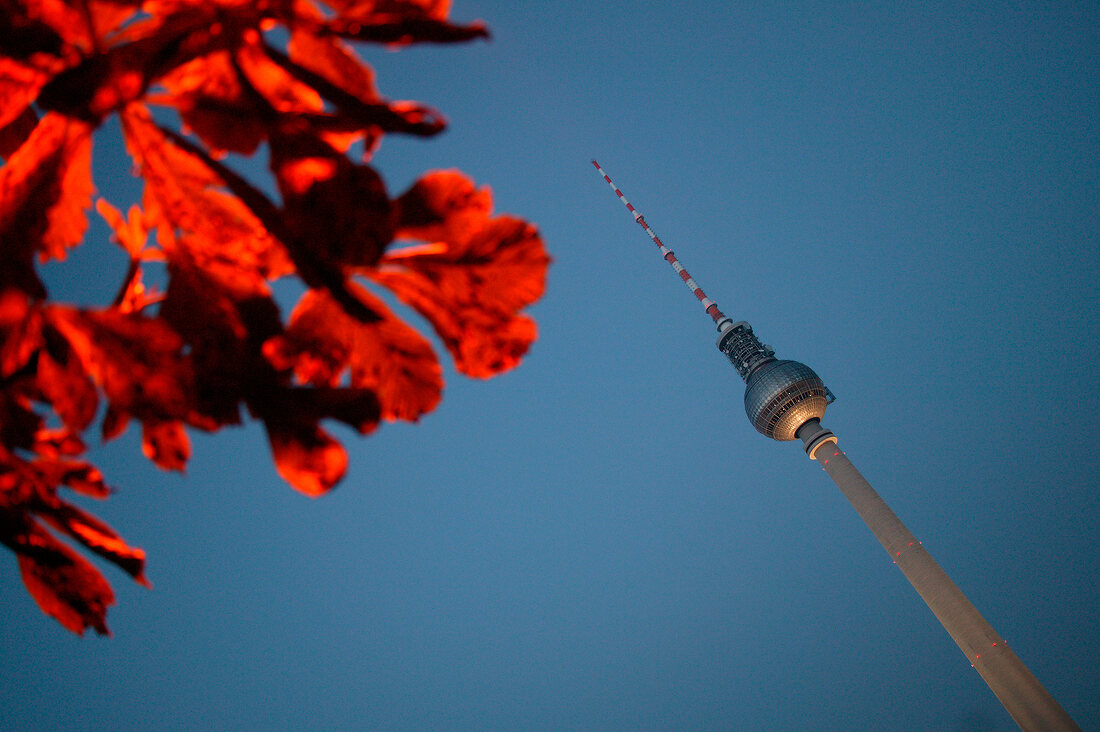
x: 239, y: 76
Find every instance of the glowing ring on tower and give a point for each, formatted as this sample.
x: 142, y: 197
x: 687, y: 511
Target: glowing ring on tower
x: 781, y: 396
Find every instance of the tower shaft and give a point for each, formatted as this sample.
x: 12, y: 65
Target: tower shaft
x: 1025, y: 699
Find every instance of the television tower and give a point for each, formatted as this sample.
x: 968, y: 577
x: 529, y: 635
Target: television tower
x: 786, y: 400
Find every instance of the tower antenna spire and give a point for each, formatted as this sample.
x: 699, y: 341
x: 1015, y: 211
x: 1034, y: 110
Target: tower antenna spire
x: 785, y: 400
x: 711, y: 307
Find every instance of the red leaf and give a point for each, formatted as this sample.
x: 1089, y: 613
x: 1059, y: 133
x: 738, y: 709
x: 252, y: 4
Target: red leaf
x: 166, y: 444
x: 174, y: 179
x: 108, y: 79
x: 306, y: 456
x: 281, y: 90
x: 44, y: 188
x: 209, y: 97
x: 232, y: 246
x: 19, y: 426
x: 82, y: 477
x: 340, y: 208
x: 355, y: 114
x: 225, y: 323
x: 322, y: 343
x: 65, y: 20
x: 23, y: 36
x: 184, y: 200
x: 471, y: 290
x: 99, y: 538
x: 20, y: 331
x: 400, y: 22
x: 219, y: 256
x: 442, y: 205
x: 19, y: 85
x: 379, y: 11
x: 107, y: 16
x: 64, y: 383
x: 65, y: 585
x: 130, y: 233
x: 114, y: 424
x: 16, y: 131
x: 358, y: 408
x: 329, y: 58
x: 313, y: 270
x: 61, y: 442
x: 405, y: 32
x: 137, y: 361
x: 336, y: 62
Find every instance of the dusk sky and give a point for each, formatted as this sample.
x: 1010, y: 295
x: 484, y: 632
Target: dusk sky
x: 904, y: 196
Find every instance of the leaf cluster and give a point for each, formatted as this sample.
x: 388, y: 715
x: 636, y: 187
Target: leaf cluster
x: 213, y: 348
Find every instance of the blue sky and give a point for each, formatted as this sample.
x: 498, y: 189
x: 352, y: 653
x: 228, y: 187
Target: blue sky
x: 905, y: 198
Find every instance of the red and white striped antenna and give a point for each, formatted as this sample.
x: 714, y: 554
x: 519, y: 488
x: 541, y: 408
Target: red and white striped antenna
x: 709, y: 305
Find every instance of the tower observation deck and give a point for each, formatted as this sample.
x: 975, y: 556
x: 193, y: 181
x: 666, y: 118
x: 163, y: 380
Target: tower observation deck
x: 785, y: 400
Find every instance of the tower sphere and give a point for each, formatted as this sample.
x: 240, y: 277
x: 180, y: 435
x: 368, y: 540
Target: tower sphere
x: 780, y: 396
